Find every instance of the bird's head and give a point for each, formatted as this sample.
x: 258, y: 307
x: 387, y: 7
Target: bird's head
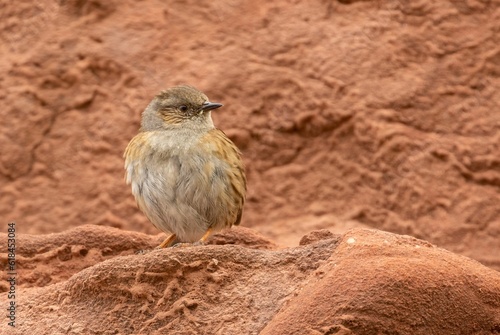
x: 179, y: 106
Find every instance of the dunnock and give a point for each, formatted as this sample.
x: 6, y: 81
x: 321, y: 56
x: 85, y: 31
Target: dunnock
x: 186, y: 175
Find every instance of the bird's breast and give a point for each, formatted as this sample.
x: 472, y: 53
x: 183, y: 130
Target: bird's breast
x: 176, y: 166
x: 196, y: 179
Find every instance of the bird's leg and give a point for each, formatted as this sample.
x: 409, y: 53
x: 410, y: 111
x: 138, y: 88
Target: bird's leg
x: 169, y: 241
x: 172, y: 241
x: 205, y: 237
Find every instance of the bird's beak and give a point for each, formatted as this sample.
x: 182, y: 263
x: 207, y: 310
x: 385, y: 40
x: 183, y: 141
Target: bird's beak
x: 210, y: 105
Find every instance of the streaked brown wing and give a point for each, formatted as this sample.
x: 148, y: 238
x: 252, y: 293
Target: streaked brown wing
x: 226, y: 150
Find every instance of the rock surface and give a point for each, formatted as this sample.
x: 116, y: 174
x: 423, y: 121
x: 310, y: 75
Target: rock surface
x: 378, y: 114
x: 362, y: 282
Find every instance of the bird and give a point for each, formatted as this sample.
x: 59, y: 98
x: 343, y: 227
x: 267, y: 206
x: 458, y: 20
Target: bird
x: 186, y: 175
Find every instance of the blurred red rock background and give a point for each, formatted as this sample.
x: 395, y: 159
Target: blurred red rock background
x: 382, y: 114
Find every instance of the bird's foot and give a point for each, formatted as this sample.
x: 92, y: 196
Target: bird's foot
x: 183, y: 245
x: 169, y: 241
x: 143, y: 251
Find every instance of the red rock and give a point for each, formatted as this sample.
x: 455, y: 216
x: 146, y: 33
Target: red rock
x: 362, y: 282
x: 358, y: 110
x: 380, y: 283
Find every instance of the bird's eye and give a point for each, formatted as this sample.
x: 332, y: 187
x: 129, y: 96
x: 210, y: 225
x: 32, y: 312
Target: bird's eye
x: 183, y: 108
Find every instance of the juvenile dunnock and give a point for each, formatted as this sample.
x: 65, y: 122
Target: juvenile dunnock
x: 186, y: 175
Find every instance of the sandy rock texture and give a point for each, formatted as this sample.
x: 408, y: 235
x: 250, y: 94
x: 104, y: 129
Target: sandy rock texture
x: 362, y: 282
x: 381, y: 114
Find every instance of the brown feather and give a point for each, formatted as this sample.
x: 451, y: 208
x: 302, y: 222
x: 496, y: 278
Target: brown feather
x: 223, y: 148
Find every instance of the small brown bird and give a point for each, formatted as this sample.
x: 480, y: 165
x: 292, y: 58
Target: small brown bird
x: 186, y: 175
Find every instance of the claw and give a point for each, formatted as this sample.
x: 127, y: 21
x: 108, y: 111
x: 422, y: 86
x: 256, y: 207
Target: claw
x: 182, y: 245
